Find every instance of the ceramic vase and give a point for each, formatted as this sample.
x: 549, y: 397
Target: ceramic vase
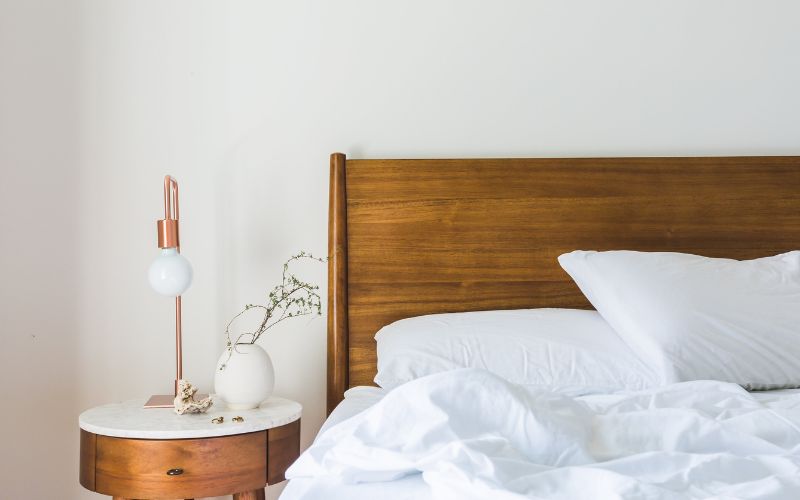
x: 247, y: 378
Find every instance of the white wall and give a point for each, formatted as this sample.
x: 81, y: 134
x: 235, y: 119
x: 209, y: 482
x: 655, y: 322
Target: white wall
x: 243, y: 101
x: 39, y: 245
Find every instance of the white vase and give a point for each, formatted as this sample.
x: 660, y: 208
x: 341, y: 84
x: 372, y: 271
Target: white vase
x: 247, y: 378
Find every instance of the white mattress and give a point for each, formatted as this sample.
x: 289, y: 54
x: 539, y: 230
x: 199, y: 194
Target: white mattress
x: 358, y: 399
x: 355, y: 401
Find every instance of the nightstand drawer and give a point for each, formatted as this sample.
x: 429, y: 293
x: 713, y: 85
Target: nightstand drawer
x: 181, y: 468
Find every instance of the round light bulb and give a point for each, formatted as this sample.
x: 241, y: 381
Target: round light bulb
x: 170, y: 274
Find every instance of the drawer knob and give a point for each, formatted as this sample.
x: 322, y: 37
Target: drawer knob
x: 175, y: 472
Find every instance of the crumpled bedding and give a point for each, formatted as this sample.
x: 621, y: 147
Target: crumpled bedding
x: 472, y: 435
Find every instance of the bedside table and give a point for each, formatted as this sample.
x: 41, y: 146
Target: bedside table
x: 130, y: 452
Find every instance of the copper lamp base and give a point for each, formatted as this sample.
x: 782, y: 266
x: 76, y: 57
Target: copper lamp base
x: 161, y: 401
x: 166, y: 400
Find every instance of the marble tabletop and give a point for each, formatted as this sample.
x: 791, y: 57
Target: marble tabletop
x: 130, y: 419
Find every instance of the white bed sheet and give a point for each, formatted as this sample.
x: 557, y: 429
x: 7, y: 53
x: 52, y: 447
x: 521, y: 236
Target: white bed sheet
x: 413, y: 487
x: 361, y: 398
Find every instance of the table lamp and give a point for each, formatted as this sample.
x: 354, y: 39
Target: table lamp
x: 170, y: 274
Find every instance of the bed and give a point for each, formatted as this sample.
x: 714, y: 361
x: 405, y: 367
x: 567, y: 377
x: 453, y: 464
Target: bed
x: 410, y: 238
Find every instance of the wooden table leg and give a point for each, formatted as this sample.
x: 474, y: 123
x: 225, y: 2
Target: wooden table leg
x: 258, y: 494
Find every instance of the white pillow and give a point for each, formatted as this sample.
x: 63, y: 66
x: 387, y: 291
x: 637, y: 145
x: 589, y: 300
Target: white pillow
x: 563, y: 349
x: 698, y: 318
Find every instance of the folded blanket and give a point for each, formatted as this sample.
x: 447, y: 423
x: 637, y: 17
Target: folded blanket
x: 474, y: 435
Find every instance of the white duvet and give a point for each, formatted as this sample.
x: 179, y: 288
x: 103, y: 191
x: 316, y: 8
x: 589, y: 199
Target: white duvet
x: 473, y: 435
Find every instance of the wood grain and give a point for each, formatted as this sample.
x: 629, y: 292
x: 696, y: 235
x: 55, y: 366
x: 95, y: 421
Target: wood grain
x: 258, y: 494
x: 87, y: 459
x: 136, y: 468
x: 337, y: 283
x: 284, y: 448
x: 431, y: 236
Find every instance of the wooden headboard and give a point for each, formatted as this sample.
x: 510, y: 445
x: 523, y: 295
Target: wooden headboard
x: 413, y: 237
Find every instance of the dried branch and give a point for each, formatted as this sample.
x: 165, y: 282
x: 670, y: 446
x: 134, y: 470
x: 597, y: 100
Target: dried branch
x: 291, y: 298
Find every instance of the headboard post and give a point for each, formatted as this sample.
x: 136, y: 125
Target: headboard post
x: 337, y: 283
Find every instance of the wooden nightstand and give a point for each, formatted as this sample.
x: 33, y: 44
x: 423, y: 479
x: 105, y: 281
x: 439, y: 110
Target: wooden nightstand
x: 130, y: 452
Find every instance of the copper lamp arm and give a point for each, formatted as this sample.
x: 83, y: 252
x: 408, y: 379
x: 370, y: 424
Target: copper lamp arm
x: 168, y: 234
x: 168, y: 237
x: 171, y: 198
